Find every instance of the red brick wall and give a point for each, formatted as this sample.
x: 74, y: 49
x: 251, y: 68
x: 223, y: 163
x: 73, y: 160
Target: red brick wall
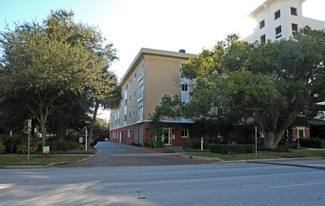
x: 176, y: 130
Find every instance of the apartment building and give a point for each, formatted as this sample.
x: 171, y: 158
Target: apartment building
x: 151, y: 75
x: 277, y: 19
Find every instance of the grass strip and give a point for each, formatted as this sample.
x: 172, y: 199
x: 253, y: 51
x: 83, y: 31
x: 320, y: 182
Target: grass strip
x: 9, y: 160
x: 263, y: 155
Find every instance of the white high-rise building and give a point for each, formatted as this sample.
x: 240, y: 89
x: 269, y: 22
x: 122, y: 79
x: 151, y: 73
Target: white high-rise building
x: 276, y: 19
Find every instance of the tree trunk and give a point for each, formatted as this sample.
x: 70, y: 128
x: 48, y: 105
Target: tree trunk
x: 61, y: 128
x: 272, y: 139
x: 92, y: 125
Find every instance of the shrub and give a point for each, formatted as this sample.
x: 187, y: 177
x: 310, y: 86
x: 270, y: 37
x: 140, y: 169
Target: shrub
x: 2, y: 147
x: 193, y: 143
x: 312, y: 142
x: 21, y: 140
x: 231, y: 149
x: 196, y: 144
x: 63, y: 145
x: 154, y: 143
x: 136, y: 144
x: 279, y: 149
x: 94, y: 142
x: 6, y: 141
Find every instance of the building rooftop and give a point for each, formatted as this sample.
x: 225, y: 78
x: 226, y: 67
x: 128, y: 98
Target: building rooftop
x: 264, y: 6
x: 145, y: 51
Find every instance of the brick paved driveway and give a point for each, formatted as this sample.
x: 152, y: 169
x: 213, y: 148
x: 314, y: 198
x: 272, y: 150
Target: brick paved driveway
x: 117, y: 154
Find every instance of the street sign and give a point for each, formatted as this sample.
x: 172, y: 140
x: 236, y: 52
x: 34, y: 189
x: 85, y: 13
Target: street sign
x: 46, y: 150
x: 29, y: 123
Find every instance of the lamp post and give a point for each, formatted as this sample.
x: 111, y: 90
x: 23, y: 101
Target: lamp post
x: 29, y: 121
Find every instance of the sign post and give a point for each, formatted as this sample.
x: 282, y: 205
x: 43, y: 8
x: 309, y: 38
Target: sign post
x: 86, y: 140
x: 202, y: 140
x: 256, y: 141
x: 29, y: 122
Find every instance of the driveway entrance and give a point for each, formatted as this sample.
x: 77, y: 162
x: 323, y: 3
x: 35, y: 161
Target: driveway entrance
x: 117, y: 154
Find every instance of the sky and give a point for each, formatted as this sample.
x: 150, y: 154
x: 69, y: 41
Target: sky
x: 169, y: 25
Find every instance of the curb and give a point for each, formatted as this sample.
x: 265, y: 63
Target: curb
x: 60, y: 163
x: 292, y: 165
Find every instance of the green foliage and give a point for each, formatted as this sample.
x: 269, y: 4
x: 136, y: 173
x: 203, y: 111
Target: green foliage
x: 136, y: 144
x: 280, y: 148
x: 2, y: 147
x: 195, y: 144
x: 272, y: 82
x: 62, y: 145
x: 21, y: 140
x: 166, y: 150
x: 154, y: 143
x: 312, y: 142
x: 101, y: 129
x: 231, y: 149
x: 44, y: 64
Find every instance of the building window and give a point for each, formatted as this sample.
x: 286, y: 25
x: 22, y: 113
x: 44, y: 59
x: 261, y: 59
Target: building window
x: 277, y: 14
x: 140, y: 113
x: 135, y: 75
x: 130, y: 98
x: 263, y: 39
x: 141, y: 88
x: 130, y: 81
x: 220, y: 111
x: 278, y: 32
x: 262, y: 24
x: 184, y: 87
x: 184, y: 133
x: 125, y: 102
x: 125, y: 118
x: 129, y: 115
x: 126, y: 87
x: 294, y: 28
x: 133, y: 113
x: 294, y: 11
x: 134, y: 94
x: 129, y: 133
x: 141, y: 72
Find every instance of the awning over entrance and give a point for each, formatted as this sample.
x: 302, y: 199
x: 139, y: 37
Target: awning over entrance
x: 316, y: 122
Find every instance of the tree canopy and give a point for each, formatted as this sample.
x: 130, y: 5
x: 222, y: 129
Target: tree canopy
x: 46, y: 65
x: 272, y: 82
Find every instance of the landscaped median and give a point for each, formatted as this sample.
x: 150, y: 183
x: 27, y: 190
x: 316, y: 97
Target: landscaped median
x: 301, y: 153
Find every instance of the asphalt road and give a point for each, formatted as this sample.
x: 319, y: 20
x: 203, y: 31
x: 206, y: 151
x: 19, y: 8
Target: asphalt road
x: 117, y: 154
x: 204, y: 184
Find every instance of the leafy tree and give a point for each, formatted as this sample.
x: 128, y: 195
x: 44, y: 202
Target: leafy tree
x: 169, y: 107
x: 101, y: 129
x: 106, y: 93
x: 272, y: 83
x: 43, y: 62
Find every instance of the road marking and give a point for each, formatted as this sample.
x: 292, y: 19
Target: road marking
x: 297, y: 185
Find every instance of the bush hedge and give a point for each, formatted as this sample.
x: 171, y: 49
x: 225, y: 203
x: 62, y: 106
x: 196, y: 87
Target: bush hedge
x: 231, y: 149
x: 196, y: 144
x: 136, y: 144
x: 2, y: 147
x: 312, y: 142
x: 20, y: 142
x: 154, y: 143
x: 63, y: 145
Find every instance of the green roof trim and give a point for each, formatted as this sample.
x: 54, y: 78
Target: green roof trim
x: 316, y: 122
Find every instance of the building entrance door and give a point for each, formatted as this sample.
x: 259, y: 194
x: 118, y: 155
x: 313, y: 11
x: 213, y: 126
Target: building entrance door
x: 166, y: 136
